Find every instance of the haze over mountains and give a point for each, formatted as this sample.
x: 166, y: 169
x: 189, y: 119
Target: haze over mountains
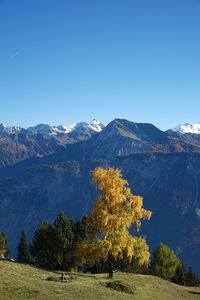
x: 46, y: 169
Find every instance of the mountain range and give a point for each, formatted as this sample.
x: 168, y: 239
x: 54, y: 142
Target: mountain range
x: 45, y: 170
x: 92, y: 127
x: 71, y: 130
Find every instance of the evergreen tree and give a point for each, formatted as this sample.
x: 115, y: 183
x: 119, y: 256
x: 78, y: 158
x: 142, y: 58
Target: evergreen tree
x: 164, y: 262
x: 83, y: 232
x: 122, y: 264
x: 63, y: 243
x: 56, y: 246
x: 191, y: 278
x: 22, y: 249
x: 133, y: 266
x: 179, y: 276
x: 3, y: 240
x: 100, y: 266
x: 86, y: 229
x: 42, y: 247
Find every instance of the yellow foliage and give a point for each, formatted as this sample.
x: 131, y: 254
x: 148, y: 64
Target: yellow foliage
x: 112, y: 215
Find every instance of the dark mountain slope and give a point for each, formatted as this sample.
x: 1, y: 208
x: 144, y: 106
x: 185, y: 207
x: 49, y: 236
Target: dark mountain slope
x: 65, y: 153
x: 18, y: 147
x: 168, y: 183
x: 192, y: 138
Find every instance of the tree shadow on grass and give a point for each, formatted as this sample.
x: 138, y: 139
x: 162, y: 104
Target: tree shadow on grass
x: 59, y: 272
x: 194, y: 293
x: 81, y: 274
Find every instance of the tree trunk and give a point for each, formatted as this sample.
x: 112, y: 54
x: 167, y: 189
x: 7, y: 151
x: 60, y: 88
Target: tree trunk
x: 110, y: 267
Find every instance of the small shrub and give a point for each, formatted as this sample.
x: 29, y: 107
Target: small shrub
x: 51, y: 278
x: 120, y: 286
x: 58, y: 279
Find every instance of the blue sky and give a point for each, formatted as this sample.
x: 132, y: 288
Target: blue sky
x: 68, y: 61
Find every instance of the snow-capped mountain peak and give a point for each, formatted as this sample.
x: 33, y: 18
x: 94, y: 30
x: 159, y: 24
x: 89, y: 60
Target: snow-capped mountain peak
x: 5, y: 129
x: 188, y: 128
x: 96, y: 125
x: 91, y: 128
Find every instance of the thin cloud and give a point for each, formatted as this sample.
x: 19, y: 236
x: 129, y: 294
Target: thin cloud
x: 19, y: 52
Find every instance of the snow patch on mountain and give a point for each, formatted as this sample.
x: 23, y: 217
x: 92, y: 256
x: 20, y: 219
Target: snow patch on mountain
x: 92, y: 127
x: 188, y: 128
x: 5, y: 129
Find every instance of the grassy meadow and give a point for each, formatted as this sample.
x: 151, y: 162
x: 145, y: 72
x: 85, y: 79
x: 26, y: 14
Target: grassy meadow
x: 21, y: 281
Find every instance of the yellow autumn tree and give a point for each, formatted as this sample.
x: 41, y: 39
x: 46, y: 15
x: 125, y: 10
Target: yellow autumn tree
x: 113, y: 213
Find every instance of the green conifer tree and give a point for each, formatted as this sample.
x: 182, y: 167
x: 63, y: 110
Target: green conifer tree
x: 83, y: 232
x: 3, y: 240
x: 179, y: 276
x: 42, y: 246
x: 22, y: 249
x: 63, y: 243
x: 191, y: 278
x: 164, y: 262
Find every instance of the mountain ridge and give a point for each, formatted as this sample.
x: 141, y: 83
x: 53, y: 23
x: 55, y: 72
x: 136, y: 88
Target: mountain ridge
x: 93, y: 126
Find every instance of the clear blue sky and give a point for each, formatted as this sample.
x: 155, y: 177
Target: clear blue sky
x: 65, y: 61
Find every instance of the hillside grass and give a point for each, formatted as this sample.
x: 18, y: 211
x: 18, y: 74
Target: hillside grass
x: 21, y: 281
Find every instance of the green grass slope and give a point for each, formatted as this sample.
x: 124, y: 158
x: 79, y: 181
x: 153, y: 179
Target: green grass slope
x: 20, y: 281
